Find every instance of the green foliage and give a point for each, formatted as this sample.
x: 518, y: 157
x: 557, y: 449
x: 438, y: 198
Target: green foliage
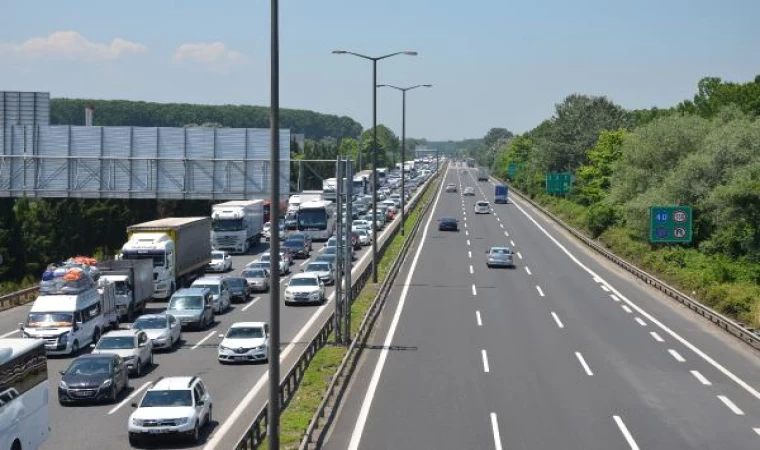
x: 594, y: 179
x: 388, y: 147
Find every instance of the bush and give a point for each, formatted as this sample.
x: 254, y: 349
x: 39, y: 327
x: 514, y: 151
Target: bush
x: 600, y: 216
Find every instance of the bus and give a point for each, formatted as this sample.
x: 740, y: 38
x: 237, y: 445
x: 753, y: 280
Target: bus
x: 363, y: 182
x: 24, y: 394
x: 316, y: 219
x: 382, y: 176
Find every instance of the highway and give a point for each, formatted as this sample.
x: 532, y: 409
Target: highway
x: 564, y: 351
x: 238, y: 391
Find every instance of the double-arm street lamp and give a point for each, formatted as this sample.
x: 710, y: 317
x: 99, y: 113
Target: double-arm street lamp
x: 403, y: 139
x: 374, y: 60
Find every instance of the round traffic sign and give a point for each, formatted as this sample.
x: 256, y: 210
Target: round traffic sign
x: 679, y: 232
x: 661, y: 232
x: 680, y: 216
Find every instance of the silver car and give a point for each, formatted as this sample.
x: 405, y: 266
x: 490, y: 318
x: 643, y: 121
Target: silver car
x: 500, y: 257
x: 257, y: 278
x: 482, y: 207
x: 323, y: 269
x: 163, y: 330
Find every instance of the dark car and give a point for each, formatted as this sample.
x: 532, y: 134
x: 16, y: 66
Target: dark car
x: 303, y: 236
x: 238, y: 288
x: 448, y: 224
x: 299, y: 246
x: 291, y: 221
x: 100, y: 377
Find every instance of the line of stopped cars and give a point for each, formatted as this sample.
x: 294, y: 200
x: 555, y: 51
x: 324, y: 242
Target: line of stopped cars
x: 500, y: 256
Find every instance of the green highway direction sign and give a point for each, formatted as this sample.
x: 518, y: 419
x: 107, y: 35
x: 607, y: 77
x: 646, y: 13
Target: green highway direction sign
x: 670, y: 224
x: 558, y: 182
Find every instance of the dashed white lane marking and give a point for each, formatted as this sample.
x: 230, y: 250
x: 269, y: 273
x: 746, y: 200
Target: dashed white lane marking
x: 501, y: 225
x: 474, y: 291
x: 512, y: 242
x: 465, y: 224
x: 676, y: 355
x: 485, y: 361
x: 10, y: 333
x: 498, y: 219
x: 208, y: 336
x: 605, y: 288
x: 735, y: 409
x: 701, y: 378
x: 540, y: 292
x: 255, y: 299
x: 583, y: 363
x: 597, y: 280
x: 627, y: 309
x: 506, y: 233
x: 495, y: 428
x: 641, y: 322
x: 519, y: 255
x: 129, y: 398
x: 556, y: 319
x: 468, y: 242
x: 626, y: 434
x: 656, y: 336
x: 615, y: 297
x: 471, y: 270
x: 466, y: 233
x: 477, y: 316
x: 527, y: 269
x: 469, y: 253
x: 757, y: 430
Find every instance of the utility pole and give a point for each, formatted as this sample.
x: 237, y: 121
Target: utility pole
x: 347, y: 278
x: 339, y: 170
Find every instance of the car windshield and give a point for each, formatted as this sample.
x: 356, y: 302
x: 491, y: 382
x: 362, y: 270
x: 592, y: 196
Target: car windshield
x: 245, y: 333
x: 326, y: 258
x: 303, y: 282
x: 154, y: 399
x: 152, y: 323
x: 216, y: 256
x: 330, y: 250
x: 259, y: 265
x: 448, y: 219
x: 482, y: 204
x: 236, y: 282
x: 258, y: 273
x: 49, y: 319
x: 293, y: 243
x: 90, y: 367
x: 116, y: 343
x: 500, y: 251
x: 186, y: 303
x: 318, y: 267
x: 213, y: 287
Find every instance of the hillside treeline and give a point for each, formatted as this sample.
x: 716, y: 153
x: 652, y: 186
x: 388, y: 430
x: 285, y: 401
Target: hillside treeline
x: 704, y: 153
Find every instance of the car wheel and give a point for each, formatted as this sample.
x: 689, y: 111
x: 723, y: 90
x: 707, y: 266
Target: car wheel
x: 209, y: 415
x: 114, y: 395
x: 75, y: 348
x: 150, y: 359
x: 96, y: 336
x: 138, y: 367
x: 133, y: 440
x: 196, y: 434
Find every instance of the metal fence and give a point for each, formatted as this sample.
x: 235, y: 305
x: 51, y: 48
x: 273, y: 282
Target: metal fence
x: 139, y: 162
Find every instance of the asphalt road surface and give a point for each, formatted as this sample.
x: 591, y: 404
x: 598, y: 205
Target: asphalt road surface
x: 565, y: 351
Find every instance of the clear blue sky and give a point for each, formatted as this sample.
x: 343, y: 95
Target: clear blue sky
x: 494, y: 63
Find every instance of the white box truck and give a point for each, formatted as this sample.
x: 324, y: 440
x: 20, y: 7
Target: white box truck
x: 236, y: 226
x: 69, y: 321
x: 179, y: 247
x: 133, y: 283
x: 482, y: 174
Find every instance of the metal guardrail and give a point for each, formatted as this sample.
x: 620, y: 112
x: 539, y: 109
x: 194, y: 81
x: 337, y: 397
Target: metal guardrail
x: 338, y: 384
x: 743, y: 332
x: 256, y: 433
x: 19, y: 297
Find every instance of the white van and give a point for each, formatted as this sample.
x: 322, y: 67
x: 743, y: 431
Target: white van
x: 69, y: 322
x: 220, y: 291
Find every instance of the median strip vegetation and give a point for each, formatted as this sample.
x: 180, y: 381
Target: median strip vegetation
x: 297, y: 414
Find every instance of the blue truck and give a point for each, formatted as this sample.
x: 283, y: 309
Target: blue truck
x: 500, y: 194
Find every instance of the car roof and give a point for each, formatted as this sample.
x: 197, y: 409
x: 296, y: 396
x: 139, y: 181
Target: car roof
x: 120, y: 333
x: 192, y: 291
x: 208, y: 279
x: 303, y: 275
x: 172, y: 384
x: 153, y: 316
x: 95, y: 356
x: 499, y: 248
x: 247, y: 324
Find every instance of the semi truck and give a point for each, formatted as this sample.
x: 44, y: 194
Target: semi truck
x: 237, y: 226
x: 482, y: 174
x: 500, y: 194
x: 179, y: 248
x: 133, y: 283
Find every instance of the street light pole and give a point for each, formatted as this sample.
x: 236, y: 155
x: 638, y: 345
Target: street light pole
x: 403, y: 141
x: 374, y: 143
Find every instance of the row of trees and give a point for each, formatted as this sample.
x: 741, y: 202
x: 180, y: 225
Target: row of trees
x: 704, y: 153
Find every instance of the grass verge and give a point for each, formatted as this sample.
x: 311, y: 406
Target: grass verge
x: 296, y: 416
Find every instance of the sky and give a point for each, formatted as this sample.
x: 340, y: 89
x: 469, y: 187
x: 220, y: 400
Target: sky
x: 497, y: 63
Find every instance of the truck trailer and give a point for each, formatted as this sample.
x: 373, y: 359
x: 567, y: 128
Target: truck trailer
x: 237, y: 226
x: 179, y: 247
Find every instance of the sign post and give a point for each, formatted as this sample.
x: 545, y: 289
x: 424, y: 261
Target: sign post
x: 670, y: 224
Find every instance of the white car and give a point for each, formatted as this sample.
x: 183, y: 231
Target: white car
x: 220, y: 262
x: 267, y: 232
x: 220, y: 292
x: 391, y: 205
x: 178, y: 406
x: 305, y: 288
x: 361, y: 224
x: 133, y: 346
x: 324, y: 271
x: 482, y: 207
x: 284, y: 264
x: 469, y: 190
x: 244, y: 341
x: 396, y: 198
x: 365, y: 237
x: 164, y: 330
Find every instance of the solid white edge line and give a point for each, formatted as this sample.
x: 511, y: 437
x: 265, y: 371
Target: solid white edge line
x: 477, y: 316
x: 731, y: 405
x: 496, y: 434
x: 556, y: 319
x: 208, y: 336
x: 700, y: 377
x: 641, y: 322
x: 626, y: 434
x: 527, y: 269
x: 627, y: 309
x: 651, y: 318
x: 129, y: 397
x: 676, y: 355
x: 486, y: 369
x: 361, y: 419
x: 540, y: 292
x: 10, y: 333
x: 474, y: 292
x: 254, y: 300
x: 583, y: 363
x: 656, y: 336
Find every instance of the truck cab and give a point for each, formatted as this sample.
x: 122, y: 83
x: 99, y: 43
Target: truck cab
x: 160, y: 248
